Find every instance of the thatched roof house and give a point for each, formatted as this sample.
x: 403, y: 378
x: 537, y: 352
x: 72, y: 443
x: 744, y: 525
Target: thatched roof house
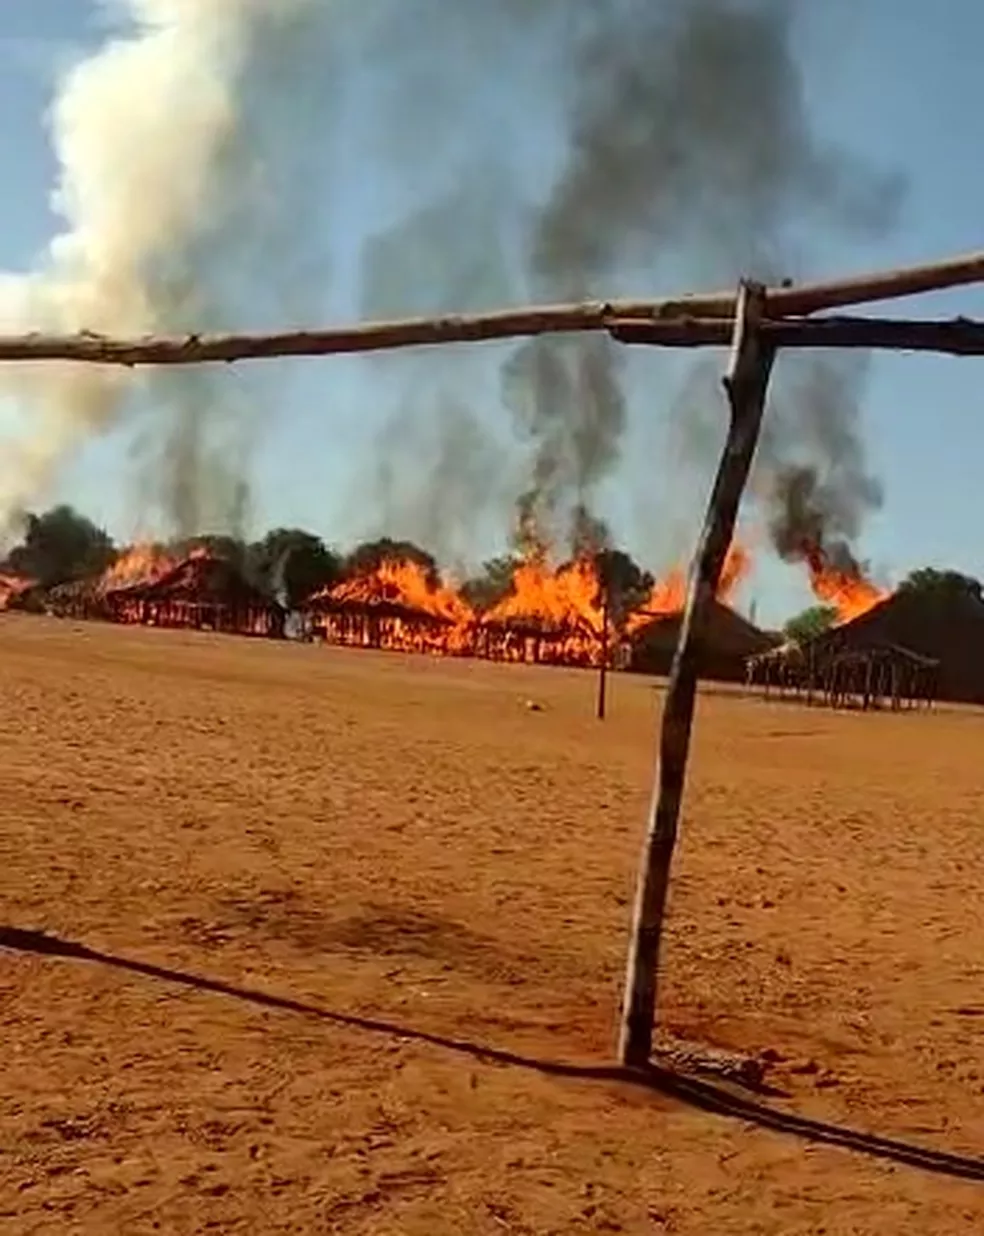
x: 397, y: 605
x: 201, y: 591
x: 944, y: 627
x: 199, y: 579
x: 728, y: 640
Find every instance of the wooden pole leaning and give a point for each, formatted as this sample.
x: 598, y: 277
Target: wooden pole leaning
x: 745, y: 383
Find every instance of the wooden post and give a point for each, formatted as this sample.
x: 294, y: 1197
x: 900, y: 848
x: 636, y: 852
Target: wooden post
x: 745, y: 383
x: 603, y: 667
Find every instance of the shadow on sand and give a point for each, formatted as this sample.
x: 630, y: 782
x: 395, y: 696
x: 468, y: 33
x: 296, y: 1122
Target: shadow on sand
x: 698, y: 1094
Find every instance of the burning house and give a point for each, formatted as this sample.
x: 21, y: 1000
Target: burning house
x: 150, y: 588
x: 861, y: 661
x: 911, y: 647
x: 548, y: 617
x: 202, y: 592
x: 397, y: 606
x: 90, y: 598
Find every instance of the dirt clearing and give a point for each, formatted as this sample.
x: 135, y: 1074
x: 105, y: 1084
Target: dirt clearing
x: 418, y: 868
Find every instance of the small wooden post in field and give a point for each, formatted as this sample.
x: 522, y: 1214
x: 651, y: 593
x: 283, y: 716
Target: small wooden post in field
x: 745, y: 383
x: 603, y: 666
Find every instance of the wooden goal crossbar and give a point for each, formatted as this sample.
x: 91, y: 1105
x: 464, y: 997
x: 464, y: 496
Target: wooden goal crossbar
x: 682, y: 322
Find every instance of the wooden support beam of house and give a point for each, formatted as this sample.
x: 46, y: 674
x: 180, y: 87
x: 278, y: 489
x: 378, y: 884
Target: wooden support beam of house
x: 682, y: 321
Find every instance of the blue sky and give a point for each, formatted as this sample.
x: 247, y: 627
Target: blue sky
x: 896, y: 81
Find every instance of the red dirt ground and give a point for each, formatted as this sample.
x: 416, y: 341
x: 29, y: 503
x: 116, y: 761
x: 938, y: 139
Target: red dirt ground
x: 403, y: 841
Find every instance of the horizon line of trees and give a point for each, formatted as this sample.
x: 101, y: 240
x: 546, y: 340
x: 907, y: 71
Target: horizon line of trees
x: 61, y: 545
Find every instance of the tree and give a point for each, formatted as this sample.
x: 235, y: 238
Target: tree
x: 61, y: 545
x: 627, y: 585
x: 219, y: 545
x: 941, y: 584
x: 370, y: 555
x: 810, y: 623
x: 291, y: 564
x: 488, y: 588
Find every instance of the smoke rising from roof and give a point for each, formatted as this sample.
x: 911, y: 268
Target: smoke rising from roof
x: 687, y: 145
x: 811, y: 471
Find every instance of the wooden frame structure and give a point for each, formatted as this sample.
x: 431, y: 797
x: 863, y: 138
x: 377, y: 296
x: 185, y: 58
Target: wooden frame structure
x: 757, y: 322
x: 385, y: 626
x: 871, y: 676
x: 180, y: 598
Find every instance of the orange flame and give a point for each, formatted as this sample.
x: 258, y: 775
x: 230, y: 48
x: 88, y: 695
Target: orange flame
x: 138, y: 565
x: 550, y: 613
x: 403, y: 584
x: 398, y: 607
x: 144, y: 564
x: 562, y: 598
x: 669, y: 594
x: 848, y: 592
x: 11, y: 586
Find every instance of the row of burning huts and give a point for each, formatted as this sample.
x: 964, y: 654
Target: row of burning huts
x: 906, y: 650
x: 394, y: 607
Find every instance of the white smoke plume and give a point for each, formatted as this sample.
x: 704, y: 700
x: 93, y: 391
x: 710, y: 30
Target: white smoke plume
x: 172, y: 185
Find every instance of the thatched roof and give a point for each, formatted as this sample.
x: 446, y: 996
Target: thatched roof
x: 728, y: 639
x: 395, y: 589
x: 947, y: 627
x: 199, y: 579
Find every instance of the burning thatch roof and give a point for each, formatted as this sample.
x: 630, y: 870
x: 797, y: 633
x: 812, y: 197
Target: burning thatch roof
x: 199, y: 579
x: 395, y: 589
x: 947, y: 627
x: 13, y: 589
x: 728, y: 639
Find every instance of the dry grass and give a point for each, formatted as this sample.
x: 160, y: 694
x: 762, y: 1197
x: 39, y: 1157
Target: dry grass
x: 402, y: 840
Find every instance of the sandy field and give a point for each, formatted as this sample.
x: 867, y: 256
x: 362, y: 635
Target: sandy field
x: 303, y: 940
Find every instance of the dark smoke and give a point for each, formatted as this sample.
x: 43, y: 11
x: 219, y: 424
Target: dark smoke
x: 567, y: 402
x: 812, y: 471
x: 687, y: 148
x: 688, y: 133
x: 437, y: 469
x: 812, y: 523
